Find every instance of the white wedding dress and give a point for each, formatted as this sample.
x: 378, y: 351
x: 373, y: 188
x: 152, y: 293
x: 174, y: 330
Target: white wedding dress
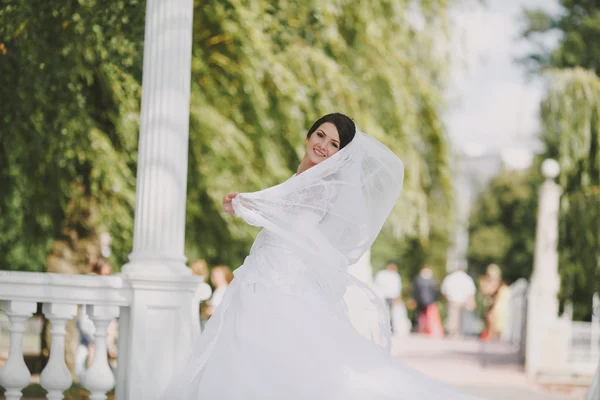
x: 292, y: 324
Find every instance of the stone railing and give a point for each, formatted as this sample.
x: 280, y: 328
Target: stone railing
x: 584, y: 344
x: 516, y: 327
x: 105, y: 298
x: 571, y: 350
x: 583, y: 340
x: 594, y: 392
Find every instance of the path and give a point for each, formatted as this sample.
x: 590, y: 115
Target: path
x: 460, y: 363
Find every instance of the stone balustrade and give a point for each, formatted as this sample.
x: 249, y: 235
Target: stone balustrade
x: 104, y: 297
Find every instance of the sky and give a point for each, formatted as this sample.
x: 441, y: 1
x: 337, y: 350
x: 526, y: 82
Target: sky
x: 494, y: 105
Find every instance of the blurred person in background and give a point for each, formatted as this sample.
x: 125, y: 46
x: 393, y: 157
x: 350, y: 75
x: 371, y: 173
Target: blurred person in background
x: 426, y: 294
x: 496, y: 302
x: 200, y: 268
x: 458, y: 288
x: 85, y: 351
x: 220, y: 278
x: 101, y: 267
x: 389, y: 286
x: 86, y: 330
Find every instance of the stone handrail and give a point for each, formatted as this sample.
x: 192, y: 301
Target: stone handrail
x: 61, y: 294
x: 64, y: 288
x: 102, y: 299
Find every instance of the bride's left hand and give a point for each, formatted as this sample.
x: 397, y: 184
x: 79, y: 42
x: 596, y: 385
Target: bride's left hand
x: 227, y: 206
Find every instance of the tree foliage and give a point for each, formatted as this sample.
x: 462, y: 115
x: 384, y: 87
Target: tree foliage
x: 262, y: 71
x: 570, y: 132
x: 578, y: 28
x: 502, y: 225
x: 70, y: 71
x: 265, y: 72
x: 571, y: 116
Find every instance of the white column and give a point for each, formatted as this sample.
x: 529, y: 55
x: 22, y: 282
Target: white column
x: 156, y: 334
x: 157, y: 331
x: 14, y: 375
x: 158, y: 242
x: 542, y: 305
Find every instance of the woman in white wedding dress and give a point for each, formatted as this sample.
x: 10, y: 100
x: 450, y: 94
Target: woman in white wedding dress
x: 294, y: 324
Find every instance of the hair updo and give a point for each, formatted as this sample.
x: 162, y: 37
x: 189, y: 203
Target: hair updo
x: 345, y: 127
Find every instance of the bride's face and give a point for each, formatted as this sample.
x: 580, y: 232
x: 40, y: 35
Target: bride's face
x: 323, y: 143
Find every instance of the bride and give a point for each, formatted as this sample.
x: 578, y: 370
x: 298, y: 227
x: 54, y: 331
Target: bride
x: 294, y: 324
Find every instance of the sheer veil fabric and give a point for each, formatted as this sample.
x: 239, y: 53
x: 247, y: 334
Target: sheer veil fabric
x: 331, y: 214
x: 294, y: 324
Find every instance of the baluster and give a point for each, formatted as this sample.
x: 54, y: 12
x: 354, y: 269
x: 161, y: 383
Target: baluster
x: 55, y: 377
x: 99, y: 378
x: 15, y: 375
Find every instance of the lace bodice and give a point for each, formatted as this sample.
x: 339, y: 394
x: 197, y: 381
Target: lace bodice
x: 272, y: 262
x: 266, y: 239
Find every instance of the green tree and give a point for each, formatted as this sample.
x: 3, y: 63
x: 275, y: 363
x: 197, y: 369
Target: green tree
x: 571, y: 116
x: 570, y: 133
x: 577, y: 25
x: 262, y: 71
x: 68, y: 132
x: 502, y: 225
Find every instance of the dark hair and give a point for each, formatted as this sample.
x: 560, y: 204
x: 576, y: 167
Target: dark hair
x: 99, y: 264
x: 345, y: 127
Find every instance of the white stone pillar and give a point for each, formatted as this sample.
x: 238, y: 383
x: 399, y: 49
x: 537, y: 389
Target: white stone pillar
x: 542, y: 305
x: 158, y: 242
x: 159, y: 327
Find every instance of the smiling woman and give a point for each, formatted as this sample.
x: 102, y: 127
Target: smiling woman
x: 327, y: 136
x: 254, y: 87
x: 294, y: 287
x: 324, y: 142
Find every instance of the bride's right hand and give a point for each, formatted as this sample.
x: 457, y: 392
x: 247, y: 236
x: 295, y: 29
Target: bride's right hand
x: 227, y: 206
